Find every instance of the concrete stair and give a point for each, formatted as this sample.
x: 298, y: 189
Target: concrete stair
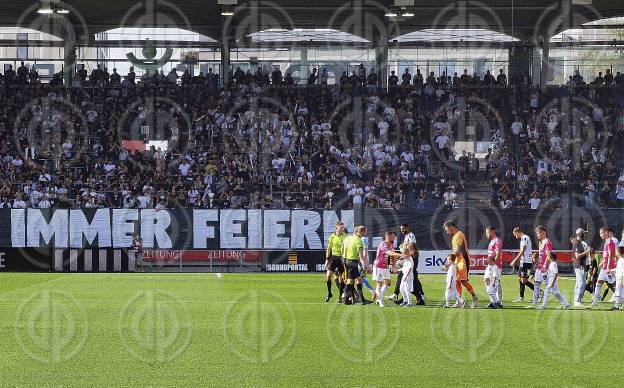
x: 478, y: 195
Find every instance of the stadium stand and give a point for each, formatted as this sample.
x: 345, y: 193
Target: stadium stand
x: 267, y: 142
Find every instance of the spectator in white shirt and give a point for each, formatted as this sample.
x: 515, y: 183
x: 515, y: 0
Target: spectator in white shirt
x: 184, y: 168
x: 144, y: 201
x: 45, y: 203
x: 534, y: 202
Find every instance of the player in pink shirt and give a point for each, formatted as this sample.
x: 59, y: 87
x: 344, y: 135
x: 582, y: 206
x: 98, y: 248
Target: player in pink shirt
x: 607, y: 266
x: 381, y: 266
x: 541, y: 269
x: 495, y: 252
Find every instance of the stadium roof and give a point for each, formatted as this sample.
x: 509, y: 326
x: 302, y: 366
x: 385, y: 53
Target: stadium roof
x: 525, y: 20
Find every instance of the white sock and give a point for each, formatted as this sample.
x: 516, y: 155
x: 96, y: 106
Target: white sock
x: 408, y: 297
x: 536, y: 292
x: 546, y: 295
x: 597, y: 293
x: 382, y: 291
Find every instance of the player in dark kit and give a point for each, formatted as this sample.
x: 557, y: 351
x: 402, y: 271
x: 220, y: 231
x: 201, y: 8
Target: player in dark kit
x: 525, y: 262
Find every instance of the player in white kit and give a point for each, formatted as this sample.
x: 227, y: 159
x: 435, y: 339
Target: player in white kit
x: 450, y: 291
x: 407, y: 282
x: 495, y: 252
x: 526, y: 263
x: 491, y: 278
x: 552, y: 283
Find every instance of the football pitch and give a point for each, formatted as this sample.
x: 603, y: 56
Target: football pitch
x: 275, y: 330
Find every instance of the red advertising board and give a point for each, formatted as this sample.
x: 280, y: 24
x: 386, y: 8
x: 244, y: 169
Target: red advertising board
x: 201, y: 255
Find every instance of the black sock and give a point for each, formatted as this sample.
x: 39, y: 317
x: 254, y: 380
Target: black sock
x: 418, y: 288
x: 341, y: 289
x: 521, y: 290
x: 397, y: 288
x: 348, y: 293
x: 530, y: 285
x: 606, y: 291
x: 329, y: 282
x: 360, y: 292
x: 589, y: 288
x: 611, y: 287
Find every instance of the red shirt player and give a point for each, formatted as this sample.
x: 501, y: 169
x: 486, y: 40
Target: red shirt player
x: 607, y: 266
x: 381, y: 270
x: 495, y: 247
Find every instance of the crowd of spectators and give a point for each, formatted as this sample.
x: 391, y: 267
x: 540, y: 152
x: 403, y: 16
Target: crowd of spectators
x: 565, y: 149
x: 265, y: 142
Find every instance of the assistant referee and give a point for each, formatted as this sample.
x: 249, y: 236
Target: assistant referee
x: 333, y: 260
x: 354, y: 255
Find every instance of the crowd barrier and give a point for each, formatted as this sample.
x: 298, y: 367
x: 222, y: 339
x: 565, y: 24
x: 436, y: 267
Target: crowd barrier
x: 128, y: 260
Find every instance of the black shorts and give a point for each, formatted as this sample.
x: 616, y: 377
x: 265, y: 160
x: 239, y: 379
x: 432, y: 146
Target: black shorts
x: 525, y: 270
x: 352, y: 267
x: 335, y: 265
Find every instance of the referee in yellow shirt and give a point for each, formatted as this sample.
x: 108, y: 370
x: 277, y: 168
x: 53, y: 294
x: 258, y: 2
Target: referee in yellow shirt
x: 333, y: 261
x: 354, y: 255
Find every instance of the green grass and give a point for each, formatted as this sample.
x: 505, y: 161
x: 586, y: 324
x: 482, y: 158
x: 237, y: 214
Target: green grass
x: 274, y: 330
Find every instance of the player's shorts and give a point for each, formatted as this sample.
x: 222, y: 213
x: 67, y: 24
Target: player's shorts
x: 525, y: 270
x: 491, y: 290
x: 606, y: 276
x: 462, y: 270
x: 352, y: 268
x: 381, y: 274
x: 335, y: 264
x: 541, y: 277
